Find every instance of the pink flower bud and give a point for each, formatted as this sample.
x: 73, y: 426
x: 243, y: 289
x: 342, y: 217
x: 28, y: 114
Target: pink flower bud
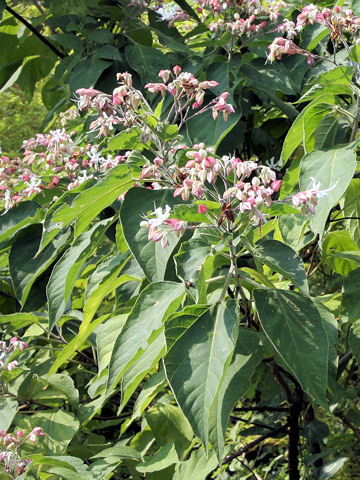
x: 176, y: 70
x: 202, y: 208
x: 20, y: 434
x: 276, y: 185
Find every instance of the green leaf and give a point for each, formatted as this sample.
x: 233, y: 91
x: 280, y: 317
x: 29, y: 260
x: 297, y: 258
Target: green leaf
x: 59, y: 427
x: 318, y: 89
x: 87, y: 72
x: 294, y: 231
x: 352, y: 209
x: 104, y: 280
x: 69, y: 267
x: 350, y: 301
x: 203, y: 128
x: 303, y: 129
x: 25, y: 265
x: 337, y: 76
x: 282, y: 259
x: 89, y: 203
x: 8, y: 409
x: 337, y: 242
x: 145, y: 363
x: 178, y: 323
x: 106, y: 338
x: 18, y: 217
x: 354, y: 53
x: 152, y: 258
x: 120, y: 451
x: 125, y: 140
x: 295, y: 331
x: 334, y: 170
x: 197, y: 361
x: 325, y: 132
x: 146, y: 61
x: 65, y: 384
x: 354, y: 339
x: 330, y: 469
x: 235, y: 383
x: 199, y: 465
x: 144, y: 324
x: 169, y: 424
x: 191, y: 256
x: 163, y: 458
x: 150, y: 389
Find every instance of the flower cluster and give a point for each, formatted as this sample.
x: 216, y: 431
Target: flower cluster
x: 339, y: 20
x: 160, y: 225
x: 6, y: 351
x: 48, y: 158
x: 187, y: 91
x: 308, y: 199
x: 242, y: 190
x: 127, y: 106
x: 11, y: 455
x: 245, y: 17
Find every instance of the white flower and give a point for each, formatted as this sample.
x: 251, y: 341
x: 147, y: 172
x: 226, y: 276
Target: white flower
x: 160, y: 216
x: 316, y: 188
x: 168, y: 12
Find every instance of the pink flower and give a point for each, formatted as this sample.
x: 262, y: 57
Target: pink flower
x: 10, y: 366
x: 202, y: 208
x: 276, y: 185
x: 176, y: 70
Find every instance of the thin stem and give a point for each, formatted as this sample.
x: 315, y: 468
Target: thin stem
x: 32, y: 29
x: 227, y: 282
x: 356, y: 119
x: 253, y: 444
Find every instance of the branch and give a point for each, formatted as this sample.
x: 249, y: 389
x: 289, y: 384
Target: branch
x: 32, y: 29
x: 261, y: 409
x: 252, y: 444
x: 294, y: 433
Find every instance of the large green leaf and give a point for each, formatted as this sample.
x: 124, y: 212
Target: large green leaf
x: 68, y: 268
x: 146, y: 61
x: 203, y: 128
x: 65, y: 384
x: 335, y: 243
x: 165, y: 457
x: 150, y: 389
x: 145, y: 363
x: 295, y: 331
x: 87, y: 72
x: 168, y: 424
x: 152, y: 258
x: 282, y: 259
x: 352, y: 209
x: 198, y: 466
x: 104, y: 280
x: 197, y: 361
x: 106, y: 337
x: 19, y: 217
x: 89, y: 203
x: 60, y: 427
x: 303, y: 128
x: 333, y: 169
x: 354, y: 338
x: 235, y: 383
x: 144, y: 324
x: 191, y: 256
x: 8, y: 409
x: 350, y: 303
x: 25, y: 265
